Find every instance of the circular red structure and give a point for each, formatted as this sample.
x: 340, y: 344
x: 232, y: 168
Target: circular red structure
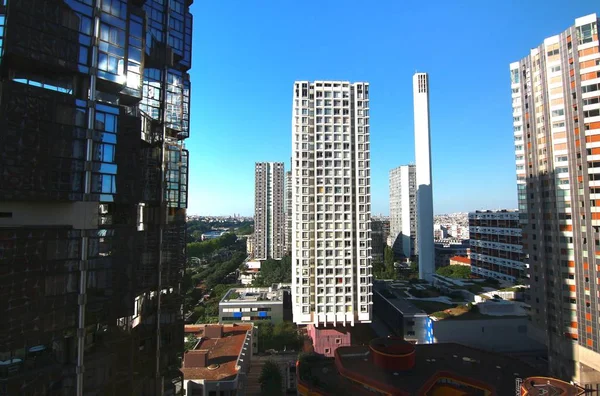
x: 393, y: 353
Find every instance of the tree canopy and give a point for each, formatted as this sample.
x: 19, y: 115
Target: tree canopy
x: 246, y: 229
x: 218, y: 273
x: 271, y: 381
x: 283, y: 335
x: 385, y: 270
x: 200, y: 249
x: 274, y: 271
x: 455, y: 271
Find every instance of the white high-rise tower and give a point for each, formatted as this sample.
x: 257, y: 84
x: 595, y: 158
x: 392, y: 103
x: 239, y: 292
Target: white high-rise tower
x: 331, y: 203
x: 424, y: 185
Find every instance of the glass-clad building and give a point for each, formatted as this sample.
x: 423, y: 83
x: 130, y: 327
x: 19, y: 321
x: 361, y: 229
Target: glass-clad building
x: 94, y: 111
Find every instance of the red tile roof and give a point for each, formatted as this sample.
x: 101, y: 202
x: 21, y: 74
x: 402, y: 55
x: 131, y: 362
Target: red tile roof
x: 461, y: 259
x: 222, y: 352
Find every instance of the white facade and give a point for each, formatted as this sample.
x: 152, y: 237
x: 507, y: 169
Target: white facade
x: 403, y: 227
x: 425, y: 245
x: 331, y: 235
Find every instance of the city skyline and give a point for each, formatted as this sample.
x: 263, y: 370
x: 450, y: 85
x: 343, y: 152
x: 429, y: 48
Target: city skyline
x: 264, y: 40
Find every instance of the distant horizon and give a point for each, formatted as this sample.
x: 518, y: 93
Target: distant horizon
x: 372, y: 213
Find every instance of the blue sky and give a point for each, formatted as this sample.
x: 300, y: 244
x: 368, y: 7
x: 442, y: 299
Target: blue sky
x: 247, y: 54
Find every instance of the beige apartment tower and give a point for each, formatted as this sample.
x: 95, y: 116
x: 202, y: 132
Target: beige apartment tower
x: 269, y: 216
x: 556, y: 118
x: 403, y: 211
x: 331, y: 203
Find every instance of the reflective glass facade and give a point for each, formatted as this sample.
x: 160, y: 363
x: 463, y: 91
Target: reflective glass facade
x: 94, y: 111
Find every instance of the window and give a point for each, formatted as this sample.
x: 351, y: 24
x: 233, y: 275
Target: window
x: 589, y: 88
x: 557, y: 113
x: 585, y: 33
x: 327, y: 350
x: 514, y: 76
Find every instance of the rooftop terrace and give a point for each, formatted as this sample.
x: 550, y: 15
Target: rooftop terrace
x: 430, y: 369
x: 254, y: 294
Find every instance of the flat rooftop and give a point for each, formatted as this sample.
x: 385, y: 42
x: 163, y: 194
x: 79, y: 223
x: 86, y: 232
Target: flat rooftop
x: 221, y: 353
x: 433, y: 362
x: 253, y: 294
x: 399, y: 301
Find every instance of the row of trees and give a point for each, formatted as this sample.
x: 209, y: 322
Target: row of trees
x: 195, y: 228
x: 204, y: 248
x: 216, y: 273
x: 455, y: 271
x: 274, y: 271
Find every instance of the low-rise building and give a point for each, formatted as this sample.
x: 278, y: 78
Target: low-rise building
x: 327, y: 339
x: 255, y: 304
x: 219, y: 362
x: 479, y: 321
x: 392, y: 366
x: 212, y: 235
x: 247, y: 275
x: 444, y: 249
x: 460, y: 260
x: 403, y: 318
x: 493, y: 325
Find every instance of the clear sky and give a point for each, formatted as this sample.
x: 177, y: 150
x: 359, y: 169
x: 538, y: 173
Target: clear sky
x: 248, y: 53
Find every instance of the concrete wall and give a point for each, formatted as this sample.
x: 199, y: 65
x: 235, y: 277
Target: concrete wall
x: 498, y: 334
x: 276, y: 311
x: 326, y: 341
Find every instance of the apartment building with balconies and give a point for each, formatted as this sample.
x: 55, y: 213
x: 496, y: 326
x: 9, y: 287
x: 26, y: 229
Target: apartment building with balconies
x: 496, y: 246
x: 556, y: 129
x: 269, y: 215
x: 331, y: 208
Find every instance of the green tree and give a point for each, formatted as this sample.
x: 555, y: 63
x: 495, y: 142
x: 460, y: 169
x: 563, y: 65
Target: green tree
x: 246, y: 229
x: 378, y: 270
x: 190, y: 343
x: 455, y: 271
x: 274, y: 271
x: 204, y: 248
x: 217, y: 274
x: 270, y: 379
x: 283, y: 335
x: 388, y: 257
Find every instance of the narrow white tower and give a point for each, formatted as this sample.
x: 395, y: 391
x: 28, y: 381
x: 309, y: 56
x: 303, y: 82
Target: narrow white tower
x: 424, y: 185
